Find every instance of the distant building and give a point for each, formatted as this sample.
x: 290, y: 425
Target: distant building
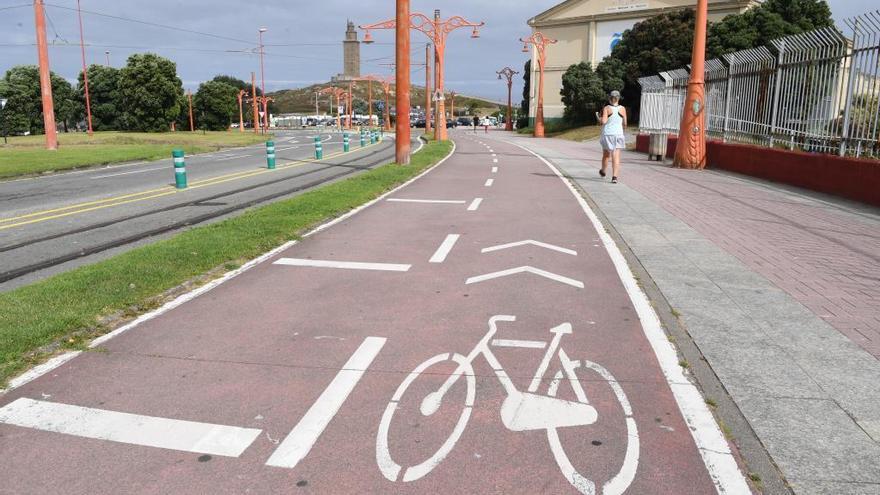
x: 587, y: 30
x: 351, y: 49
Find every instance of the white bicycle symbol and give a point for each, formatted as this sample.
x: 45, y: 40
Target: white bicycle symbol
x: 520, y: 411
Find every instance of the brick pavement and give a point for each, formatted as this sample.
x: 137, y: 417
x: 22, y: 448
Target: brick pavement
x: 823, y: 251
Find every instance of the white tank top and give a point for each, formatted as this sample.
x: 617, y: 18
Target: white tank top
x: 614, y: 125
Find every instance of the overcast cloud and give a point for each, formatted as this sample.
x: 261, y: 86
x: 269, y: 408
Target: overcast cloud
x: 471, y: 64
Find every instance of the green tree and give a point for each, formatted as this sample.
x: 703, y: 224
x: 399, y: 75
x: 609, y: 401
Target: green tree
x: 523, y: 120
x: 149, y: 93
x: 24, y: 108
x: 215, y: 104
x: 104, y: 96
x: 582, y: 93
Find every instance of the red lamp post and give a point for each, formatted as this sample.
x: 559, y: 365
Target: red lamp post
x: 256, y: 103
x: 691, y: 150
x: 540, y: 42
x: 45, y: 80
x: 189, y: 97
x: 241, y: 94
x: 508, y: 73
x: 437, y: 30
x: 452, y: 110
x: 337, y: 93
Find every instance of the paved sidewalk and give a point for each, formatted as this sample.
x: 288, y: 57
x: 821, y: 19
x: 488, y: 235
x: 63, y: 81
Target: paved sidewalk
x: 779, y: 288
x: 474, y: 332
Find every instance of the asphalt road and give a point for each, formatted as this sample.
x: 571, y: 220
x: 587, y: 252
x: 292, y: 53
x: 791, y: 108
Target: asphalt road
x: 53, y: 223
x: 476, y: 331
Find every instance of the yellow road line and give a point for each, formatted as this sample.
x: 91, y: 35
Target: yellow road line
x: 166, y: 191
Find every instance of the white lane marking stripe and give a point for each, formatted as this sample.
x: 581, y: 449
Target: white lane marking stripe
x: 494, y: 160
x: 527, y: 242
x: 149, y: 431
x: 128, y: 173
x: 494, y: 155
x: 475, y: 204
x: 526, y: 269
x: 494, y: 170
x: 491, y: 151
x: 444, y: 249
x: 489, y: 182
x: 345, y: 265
x: 713, y: 448
x: 522, y: 344
x: 428, y: 201
x: 302, y: 438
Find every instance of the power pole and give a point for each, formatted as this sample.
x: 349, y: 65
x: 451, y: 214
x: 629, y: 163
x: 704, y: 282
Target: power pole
x: 256, y: 103
x: 428, y: 88
x: 45, y: 78
x: 82, y: 47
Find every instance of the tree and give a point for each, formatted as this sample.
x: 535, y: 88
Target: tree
x: 773, y: 19
x: 24, y: 108
x: 582, y: 93
x: 215, y: 104
x: 104, y: 96
x: 149, y: 93
x: 523, y: 120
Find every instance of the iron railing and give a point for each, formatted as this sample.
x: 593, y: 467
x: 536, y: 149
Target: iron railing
x: 817, y: 91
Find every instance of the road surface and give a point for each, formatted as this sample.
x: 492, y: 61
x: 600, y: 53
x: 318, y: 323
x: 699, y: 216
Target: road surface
x: 472, y: 332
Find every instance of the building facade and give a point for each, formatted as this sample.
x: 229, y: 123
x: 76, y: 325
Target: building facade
x: 587, y: 30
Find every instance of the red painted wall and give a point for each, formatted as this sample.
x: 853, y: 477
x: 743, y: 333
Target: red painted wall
x: 849, y: 178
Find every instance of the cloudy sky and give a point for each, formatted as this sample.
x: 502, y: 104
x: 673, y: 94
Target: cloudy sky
x: 303, y: 38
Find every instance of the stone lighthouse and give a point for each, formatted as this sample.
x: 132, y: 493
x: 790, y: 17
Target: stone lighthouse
x: 351, y: 53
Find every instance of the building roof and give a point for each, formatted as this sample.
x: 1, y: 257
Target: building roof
x: 552, y: 15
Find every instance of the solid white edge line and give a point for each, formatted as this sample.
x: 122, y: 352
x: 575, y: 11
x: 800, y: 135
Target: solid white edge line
x: 57, y: 361
x: 344, y: 265
x: 444, y: 249
x: 133, y: 429
x: 714, y: 449
x: 305, y: 434
x: 475, y: 204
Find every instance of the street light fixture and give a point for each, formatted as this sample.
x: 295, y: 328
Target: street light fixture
x: 540, y: 42
x: 508, y: 73
x: 107, y: 54
x: 437, y: 31
x: 2, y: 106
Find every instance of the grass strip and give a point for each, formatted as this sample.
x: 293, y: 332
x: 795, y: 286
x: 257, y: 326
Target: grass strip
x: 67, y: 309
x: 24, y: 155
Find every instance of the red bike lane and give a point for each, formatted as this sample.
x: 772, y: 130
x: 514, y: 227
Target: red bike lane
x: 470, y: 333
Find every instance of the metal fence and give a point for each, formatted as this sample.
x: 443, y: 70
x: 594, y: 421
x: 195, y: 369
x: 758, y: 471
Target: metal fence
x: 817, y: 91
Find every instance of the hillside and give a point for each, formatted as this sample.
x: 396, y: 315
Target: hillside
x: 303, y: 100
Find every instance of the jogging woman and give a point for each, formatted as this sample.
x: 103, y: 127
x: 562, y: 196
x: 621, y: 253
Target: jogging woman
x: 613, y: 120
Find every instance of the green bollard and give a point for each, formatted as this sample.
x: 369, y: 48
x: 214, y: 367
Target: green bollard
x: 346, y: 143
x: 363, y: 139
x: 319, y: 148
x: 373, y: 137
x: 179, y: 169
x: 270, y: 154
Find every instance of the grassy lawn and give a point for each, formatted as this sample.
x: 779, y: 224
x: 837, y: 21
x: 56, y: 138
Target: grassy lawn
x: 25, y: 155
x: 570, y: 134
x: 68, y: 308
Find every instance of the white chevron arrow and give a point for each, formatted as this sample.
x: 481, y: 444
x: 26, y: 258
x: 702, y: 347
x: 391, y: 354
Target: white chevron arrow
x: 526, y: 269
x: 533, y: 243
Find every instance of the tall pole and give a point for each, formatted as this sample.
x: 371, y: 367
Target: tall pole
x: 265, y: 122
x: 440, y: 106
x: 452, y: 105
x: 241, y: 94
x: 370, y: 103
x: 189, y: 97
x: 317, y: 110
x: 256, y: 102
x: 107, y: 54
x: 508, y: 73
x: 402, y: 140
x: 350, y: 119
x: 427, y: 88
x: 691, y: 150
x: 386, y: 116
x: 82, y: 47
x: 45, y: 79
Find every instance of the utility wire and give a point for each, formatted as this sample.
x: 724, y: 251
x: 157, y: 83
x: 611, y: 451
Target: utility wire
x: 16, y: 6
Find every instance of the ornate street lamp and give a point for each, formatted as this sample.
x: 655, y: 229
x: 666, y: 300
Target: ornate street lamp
x: 508, y: 73
x: 691, y: 150
x: 437, y: 30
x: 540, y: 42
